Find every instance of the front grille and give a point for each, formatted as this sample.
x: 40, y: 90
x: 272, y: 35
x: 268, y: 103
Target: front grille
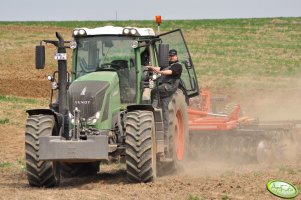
x: 87, y: 96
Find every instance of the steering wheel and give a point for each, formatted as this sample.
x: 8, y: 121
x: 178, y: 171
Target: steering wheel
x: 84, y: 66
x: 111, y: 66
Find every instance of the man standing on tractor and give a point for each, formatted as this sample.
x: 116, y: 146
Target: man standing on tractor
x: 168, y: 84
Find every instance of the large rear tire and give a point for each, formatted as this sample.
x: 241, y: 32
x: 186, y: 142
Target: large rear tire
x: 40, y: 173
x: 178, y: 129
x: 140, y: 146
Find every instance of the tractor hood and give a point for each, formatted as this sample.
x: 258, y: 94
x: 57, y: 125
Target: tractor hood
x: 87, y: 96
x: 96, y: 95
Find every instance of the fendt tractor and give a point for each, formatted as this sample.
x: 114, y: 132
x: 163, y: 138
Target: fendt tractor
x: 103, y: 111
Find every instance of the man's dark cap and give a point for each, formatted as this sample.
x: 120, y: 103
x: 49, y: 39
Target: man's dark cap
x: 173, y: 52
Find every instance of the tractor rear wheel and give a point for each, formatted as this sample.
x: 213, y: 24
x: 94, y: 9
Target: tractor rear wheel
x: 70, y: 170
x: 140, y: 146
x: 40, y: 173
x: 178, y: 129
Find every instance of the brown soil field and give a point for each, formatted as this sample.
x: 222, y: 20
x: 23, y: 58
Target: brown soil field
x: 199, y: 179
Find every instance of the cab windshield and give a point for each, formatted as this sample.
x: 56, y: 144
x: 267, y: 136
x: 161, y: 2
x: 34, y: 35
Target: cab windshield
x: 109, y: 53
x: 103, y: 53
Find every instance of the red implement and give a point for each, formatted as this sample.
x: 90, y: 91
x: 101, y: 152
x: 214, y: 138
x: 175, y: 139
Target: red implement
x: 201, y: 118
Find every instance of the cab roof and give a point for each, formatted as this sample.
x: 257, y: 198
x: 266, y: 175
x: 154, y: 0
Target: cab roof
x: 113, y: 30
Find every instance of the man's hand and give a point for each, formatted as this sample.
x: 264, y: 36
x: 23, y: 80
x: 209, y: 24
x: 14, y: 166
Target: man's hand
x: 155, y: 69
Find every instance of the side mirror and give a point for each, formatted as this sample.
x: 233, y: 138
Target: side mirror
x: 40, y: 57
x: 163, y: 55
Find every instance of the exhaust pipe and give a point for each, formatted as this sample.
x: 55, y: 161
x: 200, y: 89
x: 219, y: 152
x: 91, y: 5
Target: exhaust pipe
x: 62, y: 74
x: 61, y: 57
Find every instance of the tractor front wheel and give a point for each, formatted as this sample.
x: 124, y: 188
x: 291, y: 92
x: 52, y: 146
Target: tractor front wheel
x: 140, y: 146
x: 40, y: 173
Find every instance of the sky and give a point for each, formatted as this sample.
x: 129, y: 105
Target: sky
x: 100, y: 10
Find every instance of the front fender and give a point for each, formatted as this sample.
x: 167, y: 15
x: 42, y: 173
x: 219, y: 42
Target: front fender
x: 148, y: 107
x: 42, y: 111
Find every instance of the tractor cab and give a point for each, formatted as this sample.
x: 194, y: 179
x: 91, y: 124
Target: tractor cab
x: 111, y: 49
x: 127, y: 51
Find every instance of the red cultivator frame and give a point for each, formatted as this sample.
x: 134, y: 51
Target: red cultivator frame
x: 202, y: 119
x: 228, y: 134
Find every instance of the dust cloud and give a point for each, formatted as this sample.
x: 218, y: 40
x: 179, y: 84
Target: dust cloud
x: 275, y: 100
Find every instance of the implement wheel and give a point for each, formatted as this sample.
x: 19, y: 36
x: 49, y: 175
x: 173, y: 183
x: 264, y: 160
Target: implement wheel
x: 40, y: 173
x: 140, y: 146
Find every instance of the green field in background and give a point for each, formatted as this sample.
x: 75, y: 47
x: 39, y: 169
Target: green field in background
x: 229, y: 47
x: 227, y: 54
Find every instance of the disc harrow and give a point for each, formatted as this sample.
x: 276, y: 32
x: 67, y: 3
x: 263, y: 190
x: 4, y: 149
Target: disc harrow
x: 229, y: 136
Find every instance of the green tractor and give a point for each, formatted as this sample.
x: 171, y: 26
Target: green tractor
x: 103, y: 108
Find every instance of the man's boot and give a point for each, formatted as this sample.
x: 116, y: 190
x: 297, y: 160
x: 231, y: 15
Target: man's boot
x: 166, y: 156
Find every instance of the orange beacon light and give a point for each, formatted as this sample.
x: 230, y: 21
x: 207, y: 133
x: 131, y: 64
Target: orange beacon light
x: 158, y: 19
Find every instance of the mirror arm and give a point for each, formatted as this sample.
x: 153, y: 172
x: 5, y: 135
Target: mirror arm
x: 53, y: 42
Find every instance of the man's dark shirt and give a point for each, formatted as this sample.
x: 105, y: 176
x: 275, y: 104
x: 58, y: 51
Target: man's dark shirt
x: 176, y: 69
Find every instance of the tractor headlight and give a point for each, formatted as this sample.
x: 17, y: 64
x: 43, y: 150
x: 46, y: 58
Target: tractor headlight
x: 71, y: 117
x: 54, y: 85
x: 73, y: 44
x: 130, y: 31
x: 126, y: 31
x: 75, y: 32
x: 50, y: 78
x: 79, y: 32
x: 82, y: 32
x: 133, y: 31
x: 134, y: 44
x: 92, y: 120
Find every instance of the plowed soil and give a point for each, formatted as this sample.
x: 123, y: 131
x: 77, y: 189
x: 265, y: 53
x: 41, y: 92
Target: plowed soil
x: 199, y: 179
